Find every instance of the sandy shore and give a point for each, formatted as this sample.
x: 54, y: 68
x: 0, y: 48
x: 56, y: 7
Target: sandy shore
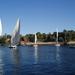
x: 44, y: 43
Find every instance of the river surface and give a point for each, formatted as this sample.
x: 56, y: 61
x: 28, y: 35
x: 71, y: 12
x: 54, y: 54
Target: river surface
x: 41, y: 60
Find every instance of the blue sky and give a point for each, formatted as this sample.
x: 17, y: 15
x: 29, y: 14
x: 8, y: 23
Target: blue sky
x: 37, y: 15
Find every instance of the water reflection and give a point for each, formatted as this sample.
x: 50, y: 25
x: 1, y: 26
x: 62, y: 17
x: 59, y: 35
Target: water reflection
x: 1, y: 62
x: 36, y: 54
x: 16, y: 61
x: 57, y: 54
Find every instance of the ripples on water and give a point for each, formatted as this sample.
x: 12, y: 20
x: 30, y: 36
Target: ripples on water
x: 41, y: 60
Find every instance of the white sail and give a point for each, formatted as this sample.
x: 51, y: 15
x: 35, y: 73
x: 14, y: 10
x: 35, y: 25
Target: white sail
x: 35, y: 43
x: 57, y: 36
x: 35, y: 38
x: 15, y: 38
x: 0, y: 28
x: 57, y: 44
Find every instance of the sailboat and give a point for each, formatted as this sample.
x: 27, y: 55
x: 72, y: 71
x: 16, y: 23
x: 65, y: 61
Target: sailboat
x: 0, y: 28
x: 35, y: 44
x: 57, y: 44
x: 0, y: 32
x: 15, y: 37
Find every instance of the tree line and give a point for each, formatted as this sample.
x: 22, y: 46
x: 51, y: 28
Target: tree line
x: 65, y: 36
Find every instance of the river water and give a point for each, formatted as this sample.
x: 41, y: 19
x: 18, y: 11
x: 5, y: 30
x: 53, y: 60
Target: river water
x: 41, y: 60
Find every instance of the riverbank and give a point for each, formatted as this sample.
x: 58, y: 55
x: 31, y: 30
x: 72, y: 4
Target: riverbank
x: 44, y: 43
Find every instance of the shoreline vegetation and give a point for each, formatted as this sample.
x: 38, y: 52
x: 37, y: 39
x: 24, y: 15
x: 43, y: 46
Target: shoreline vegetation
x: 64, y: 38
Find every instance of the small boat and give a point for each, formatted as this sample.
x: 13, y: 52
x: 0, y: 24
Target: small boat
x: 14, y: 46
x: 15, y: 37
x: 72, y: 46
x: 57, y: 44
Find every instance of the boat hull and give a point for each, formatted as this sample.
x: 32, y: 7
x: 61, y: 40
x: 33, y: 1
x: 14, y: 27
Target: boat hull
x: 57, y: 44
x: 13, y: 46
x: 35, y: 45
